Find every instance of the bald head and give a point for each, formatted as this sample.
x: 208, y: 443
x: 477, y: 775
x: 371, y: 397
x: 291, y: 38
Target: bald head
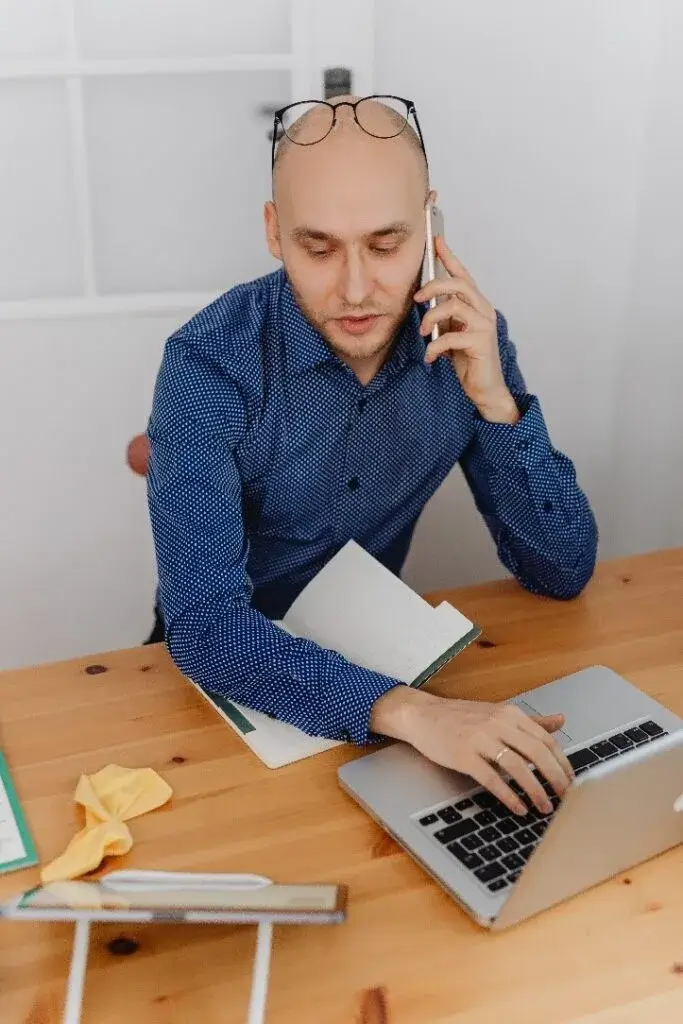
x: 348, y: 222
x: 387, y: 127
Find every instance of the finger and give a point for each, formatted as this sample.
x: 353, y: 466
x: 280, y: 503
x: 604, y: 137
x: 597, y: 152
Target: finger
x: 452, y: 308
x: 541, y: 728
x: 535, y: 752
x: 458, y: 287
x: 451, y: 262
x: 448, y: 343
x: 547, y: 724
x: 517, y: 767
x: 551, y: 723
x: 487, y: 776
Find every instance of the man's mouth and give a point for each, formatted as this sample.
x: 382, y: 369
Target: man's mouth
x: 357, y: 324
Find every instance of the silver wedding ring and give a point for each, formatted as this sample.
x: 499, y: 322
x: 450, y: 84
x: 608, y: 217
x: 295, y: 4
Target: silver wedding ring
x: 501, y: 753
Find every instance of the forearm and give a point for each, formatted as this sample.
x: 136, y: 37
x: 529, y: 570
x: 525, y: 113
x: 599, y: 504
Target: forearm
x: 229, y: 648
x: 527, y: 492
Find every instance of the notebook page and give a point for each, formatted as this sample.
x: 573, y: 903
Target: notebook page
x: 460, y: 623
x: 358, y: 608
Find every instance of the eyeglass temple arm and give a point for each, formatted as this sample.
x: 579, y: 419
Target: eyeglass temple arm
x: 413, y: 111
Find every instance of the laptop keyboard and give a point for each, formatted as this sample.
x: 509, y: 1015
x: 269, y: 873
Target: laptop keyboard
x: 495, y: 844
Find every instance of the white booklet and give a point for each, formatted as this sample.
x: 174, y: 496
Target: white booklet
x: 360, y: 609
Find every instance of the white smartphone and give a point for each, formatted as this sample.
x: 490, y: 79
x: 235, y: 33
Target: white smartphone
x: 432, y: 266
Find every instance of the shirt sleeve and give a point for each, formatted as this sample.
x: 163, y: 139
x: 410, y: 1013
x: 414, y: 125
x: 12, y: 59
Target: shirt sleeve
x: 542, y: 524
x: 213, y: 634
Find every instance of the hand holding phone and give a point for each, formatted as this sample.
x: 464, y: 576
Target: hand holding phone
x: 462, y: 325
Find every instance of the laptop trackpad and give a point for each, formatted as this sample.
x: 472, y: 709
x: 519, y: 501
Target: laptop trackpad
x: 562, y: 736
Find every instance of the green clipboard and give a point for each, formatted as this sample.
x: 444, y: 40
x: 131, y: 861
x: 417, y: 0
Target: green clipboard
x: 17, y: 849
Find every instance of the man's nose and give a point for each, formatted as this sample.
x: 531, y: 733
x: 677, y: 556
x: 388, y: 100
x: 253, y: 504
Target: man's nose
x: 355, y: 283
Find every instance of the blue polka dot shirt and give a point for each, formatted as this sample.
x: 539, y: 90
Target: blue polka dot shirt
x: 268, y: 455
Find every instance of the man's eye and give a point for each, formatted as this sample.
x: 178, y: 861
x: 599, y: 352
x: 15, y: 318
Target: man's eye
x: 385, y: 250
x: 319, y: 253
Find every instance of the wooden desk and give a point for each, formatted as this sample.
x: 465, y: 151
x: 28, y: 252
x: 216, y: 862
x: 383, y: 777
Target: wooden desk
x: 406, y: 954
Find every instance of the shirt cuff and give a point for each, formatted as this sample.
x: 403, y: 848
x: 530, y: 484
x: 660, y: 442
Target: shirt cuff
x: 362, y: 690
x: 524, y: 443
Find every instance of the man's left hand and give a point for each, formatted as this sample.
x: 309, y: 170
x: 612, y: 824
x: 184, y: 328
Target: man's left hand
x: 468, y: 335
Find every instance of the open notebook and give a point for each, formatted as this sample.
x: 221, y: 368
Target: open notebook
x: 357, y: 607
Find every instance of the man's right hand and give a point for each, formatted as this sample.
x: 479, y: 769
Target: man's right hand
x: 480, y: 739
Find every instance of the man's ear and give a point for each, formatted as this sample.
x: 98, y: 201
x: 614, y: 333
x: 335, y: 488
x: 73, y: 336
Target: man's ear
x: 270, y: 219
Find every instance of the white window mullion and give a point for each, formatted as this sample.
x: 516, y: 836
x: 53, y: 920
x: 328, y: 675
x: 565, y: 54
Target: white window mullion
x: 306, y: 73
x: 104, y: 305
x: 84, y: 68
x: 79, y: 157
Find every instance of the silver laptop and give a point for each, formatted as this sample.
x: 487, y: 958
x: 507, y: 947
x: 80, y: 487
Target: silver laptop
x: 627, y: 752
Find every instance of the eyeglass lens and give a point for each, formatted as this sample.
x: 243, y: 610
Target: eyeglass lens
x: 380, y: 116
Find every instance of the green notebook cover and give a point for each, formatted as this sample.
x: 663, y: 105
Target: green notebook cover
x: 447, y: 656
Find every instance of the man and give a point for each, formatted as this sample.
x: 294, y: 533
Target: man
x: 307, y: 408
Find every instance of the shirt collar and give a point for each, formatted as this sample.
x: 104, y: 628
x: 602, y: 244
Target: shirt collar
x: 305, y: 348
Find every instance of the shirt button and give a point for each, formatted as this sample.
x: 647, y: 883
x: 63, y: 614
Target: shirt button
x: 361, y: 404
x: 354, y: 483
x: 547, y: 506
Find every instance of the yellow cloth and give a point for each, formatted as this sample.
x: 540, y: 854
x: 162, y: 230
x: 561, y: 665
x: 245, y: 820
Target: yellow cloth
x: 110, y: 797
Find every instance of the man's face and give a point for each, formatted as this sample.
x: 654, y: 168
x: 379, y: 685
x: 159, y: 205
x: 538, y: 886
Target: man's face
x: 349, y: 228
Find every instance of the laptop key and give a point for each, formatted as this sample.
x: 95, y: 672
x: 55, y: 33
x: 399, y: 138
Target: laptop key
x: 652, y: 729
x: 467, y: 859
x: 539, y: 828
x: 604, y: 748
x: 453, y: 832
x: 620, y: 741
x: 428, y: 819
x: 525, y: 836
x: 637, y: 735
x: 490, y: 834
x: 507, y: 845
x: 464, y: 805
x: 508, y: 826
x: 484, y: 818
x: 472, y: 842
x: 582, y: 758
x: 485, y: 800
x: 489, y: 872
x: 526, y: 852
x: 449, y: 815
x: 512, y: 862
x: 498, y: 884
x: 490, y: 853
x: 512, y: 878
x: 527, y: 820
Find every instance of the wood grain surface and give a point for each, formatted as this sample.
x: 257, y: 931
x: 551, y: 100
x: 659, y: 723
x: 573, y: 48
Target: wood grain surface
x: 406, y: 954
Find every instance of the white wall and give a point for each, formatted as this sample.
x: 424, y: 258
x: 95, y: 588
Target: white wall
x: 554, y: 137
x: 77, y: 562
